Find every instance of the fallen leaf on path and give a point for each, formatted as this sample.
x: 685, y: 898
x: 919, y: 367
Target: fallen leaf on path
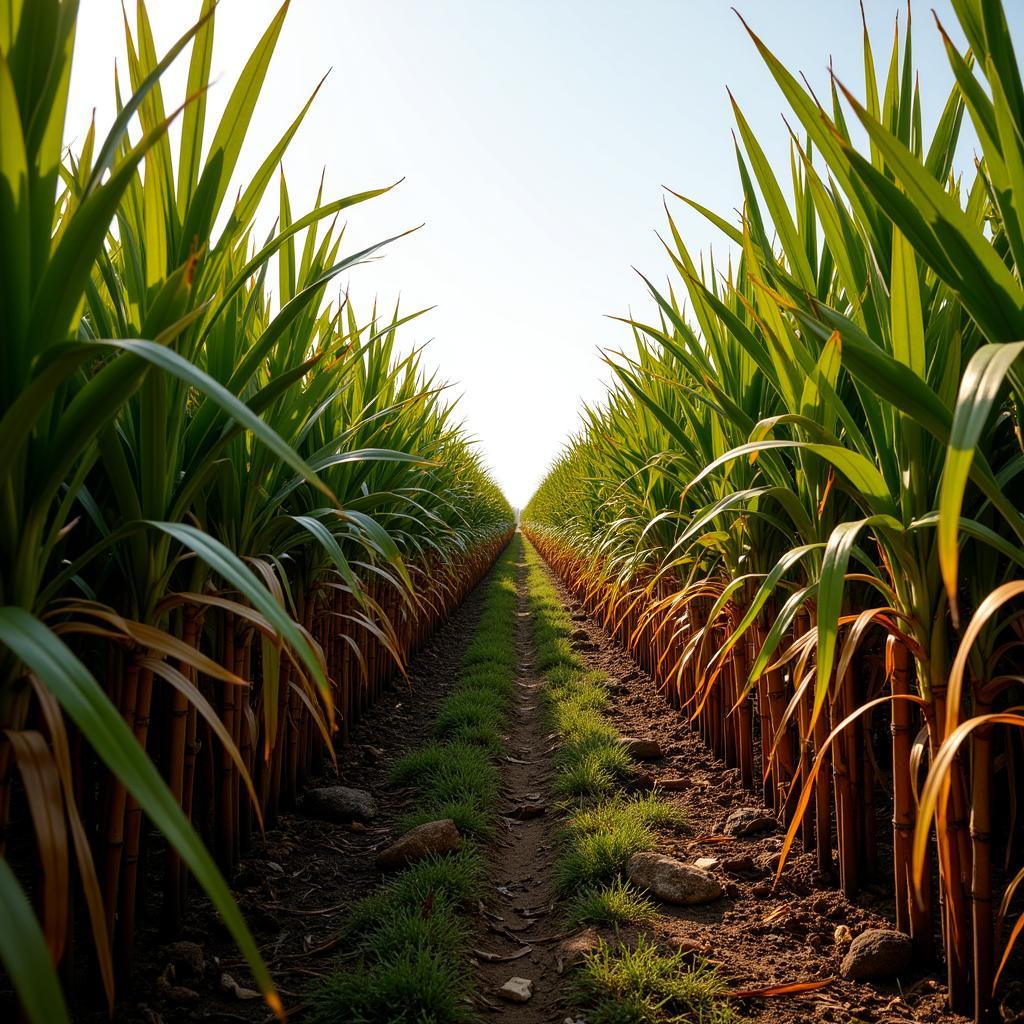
x: 776, y: 913
x: 495, y: 958
x: 792, y: 989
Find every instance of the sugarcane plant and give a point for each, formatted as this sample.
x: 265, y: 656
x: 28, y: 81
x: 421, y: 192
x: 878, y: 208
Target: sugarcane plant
x: 230, y: 513
x: 785, y: 486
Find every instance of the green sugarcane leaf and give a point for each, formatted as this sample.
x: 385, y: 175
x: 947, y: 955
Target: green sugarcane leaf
x: 85, y: 703
x: 231, y: 568
x: 831, y: 586
x: 24, y: 954
x: 115, y: 137
x: 15, y: 231
x: 943, y: 234
x: 190, y: 152
x: 234, y: 123
x: 327, y: 541
x: 979, y: 391
x: 908, y: 340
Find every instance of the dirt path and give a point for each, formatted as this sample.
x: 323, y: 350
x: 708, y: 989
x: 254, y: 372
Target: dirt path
x: 519, y: 908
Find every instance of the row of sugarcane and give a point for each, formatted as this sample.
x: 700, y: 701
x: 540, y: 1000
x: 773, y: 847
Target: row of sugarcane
x: 231, y: 505
x: 800, y: 503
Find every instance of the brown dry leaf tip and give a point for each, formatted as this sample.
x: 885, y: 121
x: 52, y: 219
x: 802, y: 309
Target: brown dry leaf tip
x: 788, y: 989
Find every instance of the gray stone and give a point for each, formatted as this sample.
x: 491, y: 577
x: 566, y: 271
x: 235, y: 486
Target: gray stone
x: 419, y: 842
x: 747, y: 821
x: 339, y: 803
x: 671, y: 880
x: 876, y: 954
x: 706, y: 863
x: 516, y: 990
x: 641, y: 749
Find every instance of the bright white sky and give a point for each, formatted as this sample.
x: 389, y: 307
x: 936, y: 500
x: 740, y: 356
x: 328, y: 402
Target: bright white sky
x: 534, y: 138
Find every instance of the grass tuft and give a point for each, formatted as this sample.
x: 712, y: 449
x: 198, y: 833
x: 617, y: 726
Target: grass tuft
x: 414, y: 986
x: 614, y: 904
x: 642, y: 985
x: 590, y: 859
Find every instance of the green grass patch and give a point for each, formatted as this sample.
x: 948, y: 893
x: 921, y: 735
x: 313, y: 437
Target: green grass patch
x: 649, y: 810
x: 470, y: 816
x: 590, y: 859
x: 641, y: 985
x: 411, y: 986
x: 436, y: 928
x: 614, y: 904
x: 455, y: 881
x: 592, y: 767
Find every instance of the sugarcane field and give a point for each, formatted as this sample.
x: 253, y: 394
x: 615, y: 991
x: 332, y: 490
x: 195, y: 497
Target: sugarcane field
x: 511, y: 512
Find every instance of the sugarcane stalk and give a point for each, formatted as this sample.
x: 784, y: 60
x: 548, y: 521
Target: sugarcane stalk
x: 981, y: 860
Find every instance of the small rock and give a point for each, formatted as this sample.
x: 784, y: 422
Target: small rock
x: 580, y: 635
x: 671, y: 880
x: 643, y: 781
x: 706, y: 863
x: 419, y: 842
x: 876, y: 954
x: 641, y: 749
x: 530, y: 810
x: 794, y: 925
x: 229, y: 985
x: 685, y: 946
x: 741, y: 866
x: 187, y: 955
x: 1011, y: 1006
x: 339, y: 803
x: 821, y: 906
x: 747, y: 821
x: 275, y: 867
x: 761, y: 890
x: 516, y: 990
x: 842, y: 936
x: 175, y: 993
x: 674, y: 785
